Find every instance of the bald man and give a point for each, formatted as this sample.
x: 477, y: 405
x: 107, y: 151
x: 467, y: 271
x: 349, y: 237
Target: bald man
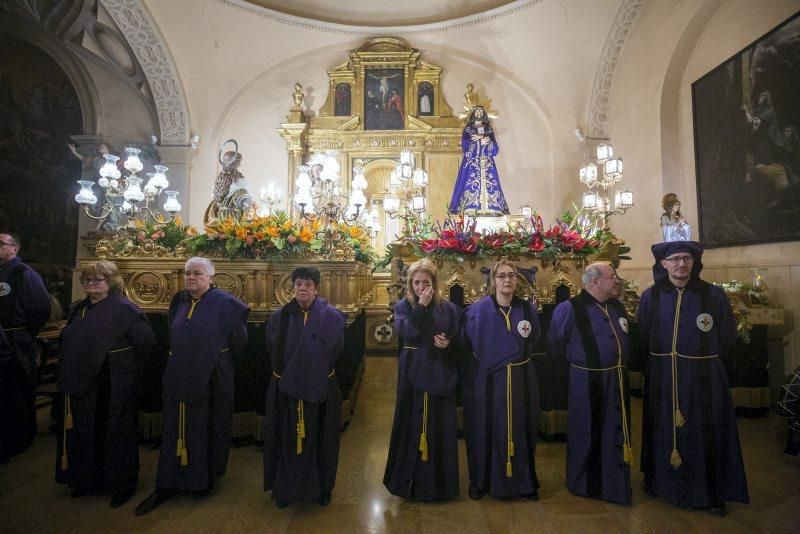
x: 591, y: 332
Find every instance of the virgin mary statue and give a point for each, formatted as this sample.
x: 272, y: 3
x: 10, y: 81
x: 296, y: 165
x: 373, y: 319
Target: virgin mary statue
x: 478, y: 185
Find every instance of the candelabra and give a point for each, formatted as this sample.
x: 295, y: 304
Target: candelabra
x: 270, y: 197
x: 124, y: 196
x: 321, y: 198
x: 603, y: 176
x: 405, y: 198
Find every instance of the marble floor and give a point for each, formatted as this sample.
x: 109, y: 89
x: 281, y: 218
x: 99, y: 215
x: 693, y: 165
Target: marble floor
x: 31, y: 502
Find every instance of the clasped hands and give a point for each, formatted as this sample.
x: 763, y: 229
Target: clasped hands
x: 425, y: 298
x: 484, y: 140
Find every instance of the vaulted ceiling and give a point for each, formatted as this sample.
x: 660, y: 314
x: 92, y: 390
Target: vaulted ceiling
x: 381, y: 12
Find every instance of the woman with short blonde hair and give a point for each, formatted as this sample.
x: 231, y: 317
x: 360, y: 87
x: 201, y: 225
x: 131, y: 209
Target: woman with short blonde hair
x: 106, y: 270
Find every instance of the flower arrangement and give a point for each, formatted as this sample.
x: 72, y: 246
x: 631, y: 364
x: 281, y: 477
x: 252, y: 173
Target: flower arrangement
x: 278, y: 235
x: 457, y: 237
x: 745, y: 291
x: 167, y: 235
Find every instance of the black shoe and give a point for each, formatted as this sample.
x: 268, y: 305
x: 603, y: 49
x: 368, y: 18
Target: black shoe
x: 533, y: 496
x: 281, y: 504
x: 648, y: 489
x: 325, y: 499
x: 203, y: 493
x: 122, y: 496
x: 474, y: 493
x: 718, y: 510
x: 153, y: 501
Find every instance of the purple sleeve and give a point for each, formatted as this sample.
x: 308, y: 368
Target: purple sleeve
x: 643, y: 315
x: 466, y: 142
x: 727, y: 323
x: 536, y: 330
x: 238, y: 338
x: 36, y: 303
x: 560, y: 329
x: 140, y: 335
x: 492, y: 146
x: 409, y: 324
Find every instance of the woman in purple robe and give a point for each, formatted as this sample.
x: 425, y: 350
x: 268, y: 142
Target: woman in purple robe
x: 478, y: 184
x: 304, y: 403
x: 104, y: 339
x: 691, y: 455
x: 423, y: 451
x: 501, y: 406
x: 207, y: 331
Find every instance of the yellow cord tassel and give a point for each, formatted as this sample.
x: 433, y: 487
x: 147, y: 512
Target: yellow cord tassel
x: 64, y: 461
x: 301, y: 426
x: 423, y: 437
x: 675, y: 459
x: 679, y: 420
x: 509, y: 419
x: 68, y: 423
x: 183, y: 454
x: 628, y: 454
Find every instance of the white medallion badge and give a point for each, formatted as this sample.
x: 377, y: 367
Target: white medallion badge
x: 623, y: 323
x: 524, y: 328
x: 5, y: 289
x: 705, y: 322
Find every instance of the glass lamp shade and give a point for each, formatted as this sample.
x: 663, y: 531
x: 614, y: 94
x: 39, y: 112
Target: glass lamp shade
x: 308, y: 209
x: 373, y: 214
x: 420, y: 178
x: 394, y: 179
x: 613, y: 167
x: 103, y: 182
x: 589, y: 200
x: 625, y: 199
x: 406, y: 157
x: 113, y: 183
x: 351, y: 213
x: 376, y: 227
x: 126, y: 206
x: 406, y: 171
x: 158, y: 179
x: 604, y: 152
x: 357, y: 198
x: 391, y: 204
x: 303, y: 180
x: 418, y: 204
x: 133, y: 193
x: 330, y: 169
x: 133, y: 163
x: 171, y: 204
x: 109, y: 169
x: 85, y: 196
x: 150, y: 190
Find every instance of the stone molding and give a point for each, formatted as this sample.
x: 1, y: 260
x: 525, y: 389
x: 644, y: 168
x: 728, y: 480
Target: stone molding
x: 627, y: 16
x: 415, y: 29
x: 153, y: 54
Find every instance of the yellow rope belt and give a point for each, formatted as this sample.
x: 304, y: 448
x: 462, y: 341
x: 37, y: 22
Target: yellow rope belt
x: 182, y: 453
x: 15, y: 328
x: 301, y: 420
x: 67, y: 426
x: 627, y: 451
x: 410, y: 348
x: 510, y: 416
x: 423, y: 437
x: 119, y: 350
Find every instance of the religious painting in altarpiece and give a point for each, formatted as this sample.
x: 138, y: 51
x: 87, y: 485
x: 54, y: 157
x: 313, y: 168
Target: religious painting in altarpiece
x: 382, y: 99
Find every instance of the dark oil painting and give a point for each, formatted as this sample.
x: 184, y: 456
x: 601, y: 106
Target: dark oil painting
x: 384, y: 95
x: 747, y: 143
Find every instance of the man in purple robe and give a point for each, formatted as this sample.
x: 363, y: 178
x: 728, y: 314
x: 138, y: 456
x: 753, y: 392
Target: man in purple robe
x: 501, y: 405
x: 24, y: 309
x: 207, y: 330
x: 591, y: 332
x: 423, y: 451
x: 690, y: 443
x: 304, y: 403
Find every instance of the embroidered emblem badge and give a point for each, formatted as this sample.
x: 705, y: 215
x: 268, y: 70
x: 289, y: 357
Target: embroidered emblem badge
x: 705, y: 322
x: 5, y: 289
x: 524, y: 328
x: 623, y: 323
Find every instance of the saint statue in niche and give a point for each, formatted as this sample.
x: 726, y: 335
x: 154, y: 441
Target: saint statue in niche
x: 425, y: 99
x: 478, y: 184
x: 341, y: 107
x: 673, y: 225
x: 232, y: 196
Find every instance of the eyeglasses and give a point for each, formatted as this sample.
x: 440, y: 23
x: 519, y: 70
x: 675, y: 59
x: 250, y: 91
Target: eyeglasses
x: 4, y: 244
x: 675, y: 261
x: 88, y: 281
x: 506, y: 276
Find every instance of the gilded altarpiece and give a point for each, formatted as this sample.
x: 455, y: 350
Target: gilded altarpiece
x: 379, y: 72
